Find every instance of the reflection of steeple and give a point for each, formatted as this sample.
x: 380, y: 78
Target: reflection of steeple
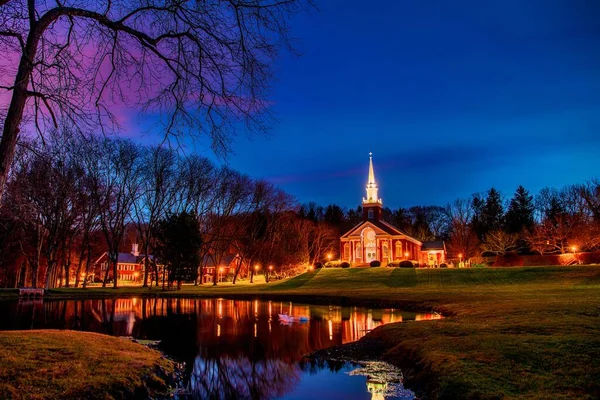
x: 371, y: 185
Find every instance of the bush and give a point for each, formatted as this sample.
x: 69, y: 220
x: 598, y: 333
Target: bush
x: 318, y: 265
x: 332, y: 264
x: 393, y: 265
x: 345, y: 265
x: 479, y: 265
x: 375, y: 263
x: 443, y: 265
x: 406, y: 264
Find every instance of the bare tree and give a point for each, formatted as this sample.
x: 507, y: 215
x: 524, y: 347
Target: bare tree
x: 463, y: 239
x: 202, y: 66
x: 156, y: 195
x: 499, y: 242
x: 114, y: 170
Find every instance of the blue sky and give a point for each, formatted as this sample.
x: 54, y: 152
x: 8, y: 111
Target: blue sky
x: 452, y: 97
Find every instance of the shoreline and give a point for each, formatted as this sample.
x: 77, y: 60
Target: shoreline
x: 516, y: 333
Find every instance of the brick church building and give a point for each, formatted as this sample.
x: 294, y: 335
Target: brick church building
x: 375, y: 239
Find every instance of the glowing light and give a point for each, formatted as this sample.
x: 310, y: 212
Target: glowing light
x: 270, y: 268
x: 255, y: 330
x: 330, y: 323
x: 256, y: 267
x: 218, y: 330
x: 573, y: 249
x: 406, y: 255
x: 329, y: 256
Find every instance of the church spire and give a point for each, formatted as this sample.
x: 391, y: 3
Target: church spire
x: 371, y: 185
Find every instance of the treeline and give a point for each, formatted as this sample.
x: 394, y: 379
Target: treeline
x: 555, y: 221
x: 74, y: 196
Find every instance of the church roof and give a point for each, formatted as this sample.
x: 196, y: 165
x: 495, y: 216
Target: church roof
x: 380, y: 227
x: 433, y: 245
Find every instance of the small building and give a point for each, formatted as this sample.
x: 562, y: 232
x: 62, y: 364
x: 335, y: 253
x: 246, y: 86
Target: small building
x: 374, y: 239
x: 227, y: 266
x: 130, y: 266
x: 433, y: 253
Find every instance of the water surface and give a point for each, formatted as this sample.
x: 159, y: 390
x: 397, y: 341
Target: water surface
x: 232, y: 348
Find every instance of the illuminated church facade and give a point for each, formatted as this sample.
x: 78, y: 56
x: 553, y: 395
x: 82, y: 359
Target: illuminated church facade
x: 374, y: 239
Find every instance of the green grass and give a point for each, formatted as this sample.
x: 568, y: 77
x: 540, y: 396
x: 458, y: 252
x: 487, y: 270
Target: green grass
x: 516, y: 333
x: 49, y: 364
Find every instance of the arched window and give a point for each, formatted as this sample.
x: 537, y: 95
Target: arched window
x: 385, y: 250
x: 398, y: 249
x: 358, y: 251
x: 346, y: 251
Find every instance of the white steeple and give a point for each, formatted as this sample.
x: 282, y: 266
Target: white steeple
x: 371, y: 185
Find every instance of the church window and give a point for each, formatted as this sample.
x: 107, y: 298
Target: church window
x: 346, y: 251
x: 385, y: 250
x: 398, y: 249
x: 371, y: 214
x: 358, y: 251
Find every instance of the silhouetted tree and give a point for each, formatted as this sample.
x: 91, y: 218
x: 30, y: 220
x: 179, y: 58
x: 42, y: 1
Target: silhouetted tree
x: 177, y: 247
x: 519, y: 215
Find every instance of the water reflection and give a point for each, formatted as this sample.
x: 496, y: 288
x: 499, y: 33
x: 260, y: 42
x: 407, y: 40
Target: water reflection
x: 232, y: 348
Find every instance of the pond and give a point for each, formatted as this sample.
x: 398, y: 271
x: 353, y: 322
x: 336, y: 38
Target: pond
x: 235, y: 348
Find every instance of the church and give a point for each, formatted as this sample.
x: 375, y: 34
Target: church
x: 374, y: 239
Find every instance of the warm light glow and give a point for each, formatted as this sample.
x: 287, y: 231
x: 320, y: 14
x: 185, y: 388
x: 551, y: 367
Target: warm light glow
x: 136, y: 274
x: 574, y: 248
x: 256, y: 267
x: 329, y: 256
x: 406, y: 254
x: 460, y: 255
x: 270, y: 268
x: 221, y: 270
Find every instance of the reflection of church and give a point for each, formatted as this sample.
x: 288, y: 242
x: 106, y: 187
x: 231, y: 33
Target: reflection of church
x: 375, y: 239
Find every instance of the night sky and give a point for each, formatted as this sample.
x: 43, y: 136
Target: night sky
x: 452, y: 98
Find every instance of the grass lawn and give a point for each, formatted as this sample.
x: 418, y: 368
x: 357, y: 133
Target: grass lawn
x: 526, y: 333
x: 49, y: 364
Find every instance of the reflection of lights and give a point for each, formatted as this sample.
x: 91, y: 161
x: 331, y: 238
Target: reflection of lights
x: 134, y: 300
x: 220, y: 308
x: 330, y: 323
x: 255, y: 330
x: 256, y: 308
x: 218, y: 330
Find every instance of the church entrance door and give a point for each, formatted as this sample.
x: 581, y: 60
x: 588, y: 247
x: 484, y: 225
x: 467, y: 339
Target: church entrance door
x: 370, y: 245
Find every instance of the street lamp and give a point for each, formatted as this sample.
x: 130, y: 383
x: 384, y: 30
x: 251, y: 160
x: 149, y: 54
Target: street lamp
x: 135, y: 276
x: 221, y: 274
x: 270, y: 271
x: 406, y: 255
x: 329, y: 257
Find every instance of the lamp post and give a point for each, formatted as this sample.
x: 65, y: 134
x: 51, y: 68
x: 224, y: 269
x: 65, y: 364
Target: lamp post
x: 270, y: 271
x: 459, y: 260
x: 221, y: 274
x: 406, y: 255
x: 574, y: 250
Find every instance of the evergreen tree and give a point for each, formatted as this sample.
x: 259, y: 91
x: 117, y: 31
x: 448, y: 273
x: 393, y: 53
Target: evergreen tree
x: 493, y: 212
x: 178, y: 246
x: 334, y: 215
x: 478, y: 220
x: 519, y: 216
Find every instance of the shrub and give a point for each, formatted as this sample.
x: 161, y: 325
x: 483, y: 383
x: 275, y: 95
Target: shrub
x: 318, y: 265
x: 479, y: 265
x: 406, y: 264
x: 443, y: 265
x: 393, y: 265
x: 332, y: 264
x: 345, y: 265
x: 375, y: 263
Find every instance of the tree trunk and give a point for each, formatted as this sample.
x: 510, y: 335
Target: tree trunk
x: 146, y: 265
x: 115, y: 263
x: 87, y: 266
